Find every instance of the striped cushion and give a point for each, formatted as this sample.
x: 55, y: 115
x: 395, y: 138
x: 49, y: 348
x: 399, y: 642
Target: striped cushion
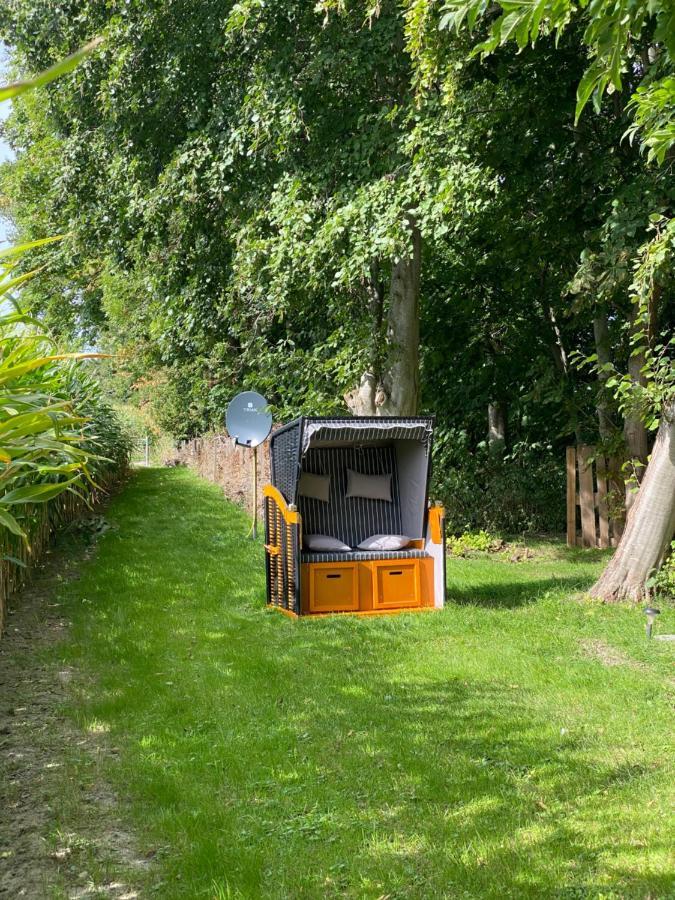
x: 352, y: 519
x: 361, y: 556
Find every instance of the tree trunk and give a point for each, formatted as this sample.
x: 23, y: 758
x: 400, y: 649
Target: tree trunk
x: 497, y: 420
x: 650, y: 525
x: 602, y: 349
x: 634, y: 431
x: 361, y: 400
x: 562, y: 365
x: 558, y: 347
x: 401, y: 378
x: 392, y: 387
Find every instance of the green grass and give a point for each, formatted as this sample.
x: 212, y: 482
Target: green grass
x: 482, y: 751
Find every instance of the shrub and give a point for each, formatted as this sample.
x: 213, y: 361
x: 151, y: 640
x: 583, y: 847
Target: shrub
x: 522, y: 491
x: 662, y: 584
x: 56, y: 431
x: 471, y: 542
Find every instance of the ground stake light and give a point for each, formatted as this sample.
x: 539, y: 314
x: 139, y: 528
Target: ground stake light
x: 651, y: 612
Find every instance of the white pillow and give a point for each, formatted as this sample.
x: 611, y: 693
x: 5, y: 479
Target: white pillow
x: 385, y: 542
x: 315, y: 486
x: 324, y: 542
x: 372, y: 487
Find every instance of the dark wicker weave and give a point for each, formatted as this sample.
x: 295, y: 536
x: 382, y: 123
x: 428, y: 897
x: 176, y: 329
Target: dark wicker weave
x: 283, y: 570
x: 285, y: 459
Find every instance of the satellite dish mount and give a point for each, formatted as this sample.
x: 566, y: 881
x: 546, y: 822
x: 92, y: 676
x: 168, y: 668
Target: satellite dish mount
x: 248, y: 423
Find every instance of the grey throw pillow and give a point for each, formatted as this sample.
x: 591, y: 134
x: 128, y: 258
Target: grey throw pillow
x: 372, y: 487
x: 317, y: 487
x: 324, y: 542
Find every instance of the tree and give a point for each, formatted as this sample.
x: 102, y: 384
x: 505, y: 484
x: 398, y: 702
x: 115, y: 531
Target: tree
x: 631, y: 43
x: 257, y: 195
x: 650, y: 525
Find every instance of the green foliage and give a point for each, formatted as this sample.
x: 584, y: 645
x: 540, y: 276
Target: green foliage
x: 63, y: 67
x: 470, y: 542
x: 54, y: 423
x: 517, y: 493
x: 626, y: 40
x: 653, y: 108
x: 40, y: 433
x: 56, y: 431
x: 650, y: 334
x: 661, y: 584
x: 235, y: 196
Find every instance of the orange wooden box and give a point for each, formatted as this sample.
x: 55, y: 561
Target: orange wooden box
x: 370, y: 586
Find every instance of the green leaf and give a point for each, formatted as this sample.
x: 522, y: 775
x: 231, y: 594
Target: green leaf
x: 35, y: 493
x: 585, y: 88
x: 15, y: 560
x: 53, y: 72
x: 8, y: 521
x: 19, y: 249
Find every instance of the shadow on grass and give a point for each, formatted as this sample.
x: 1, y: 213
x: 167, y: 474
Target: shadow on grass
x: 514, y: 594
x: 322, y: 759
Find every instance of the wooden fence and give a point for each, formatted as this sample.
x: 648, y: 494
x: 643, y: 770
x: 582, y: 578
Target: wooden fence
x: 595, y: 498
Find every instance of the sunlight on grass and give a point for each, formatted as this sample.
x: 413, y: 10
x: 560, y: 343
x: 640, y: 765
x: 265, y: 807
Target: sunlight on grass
x: 516, y: 744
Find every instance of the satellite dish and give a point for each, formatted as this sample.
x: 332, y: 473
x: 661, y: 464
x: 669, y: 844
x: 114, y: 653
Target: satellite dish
x: 247, y: 419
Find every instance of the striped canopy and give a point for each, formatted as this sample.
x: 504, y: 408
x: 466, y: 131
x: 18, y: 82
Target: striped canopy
x: 361, y: 430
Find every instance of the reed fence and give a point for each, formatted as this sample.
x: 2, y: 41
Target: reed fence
x: 216, y: 458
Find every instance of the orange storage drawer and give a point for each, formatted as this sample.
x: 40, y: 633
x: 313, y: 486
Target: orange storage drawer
x: 333, y: 587
x: 396, y: 584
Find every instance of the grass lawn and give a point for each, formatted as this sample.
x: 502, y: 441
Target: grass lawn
x: 516, y: 744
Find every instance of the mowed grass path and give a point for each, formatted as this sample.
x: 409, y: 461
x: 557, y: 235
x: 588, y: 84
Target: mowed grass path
x: 488, y: 750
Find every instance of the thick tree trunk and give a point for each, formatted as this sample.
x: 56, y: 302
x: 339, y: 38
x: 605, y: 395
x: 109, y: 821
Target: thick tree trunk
x: 650, y: 525
x: 392, y: 387
x: 401, y: 377
x: 634, y: 431
x: 602, y: 349
x: 361, y: 401
x: 497, y: 420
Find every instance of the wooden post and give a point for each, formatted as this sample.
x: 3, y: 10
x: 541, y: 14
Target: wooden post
x: 147, y: 450
x: 586, y: 497
x: 571, y: 497
x: 254, y: 531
